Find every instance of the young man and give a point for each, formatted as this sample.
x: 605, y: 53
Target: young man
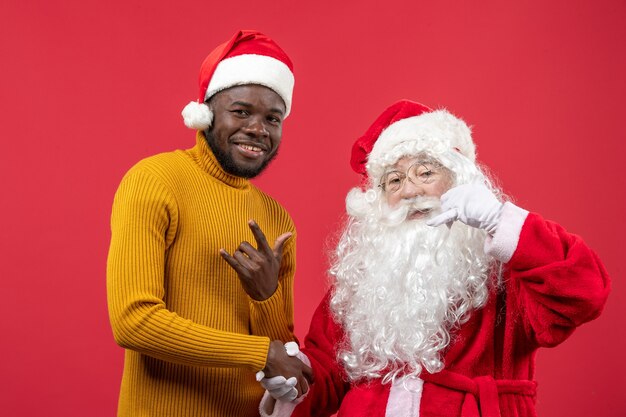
x: 442, y: 293
x: 194, y: 329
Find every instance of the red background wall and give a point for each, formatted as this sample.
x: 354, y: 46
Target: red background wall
x: 88, y: 88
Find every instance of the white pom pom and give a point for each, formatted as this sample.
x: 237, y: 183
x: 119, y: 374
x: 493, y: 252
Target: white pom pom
x: 197, y: 116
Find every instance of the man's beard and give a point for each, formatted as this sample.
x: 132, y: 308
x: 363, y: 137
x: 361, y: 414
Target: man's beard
x: 228, y: 165
x: 401, y: 287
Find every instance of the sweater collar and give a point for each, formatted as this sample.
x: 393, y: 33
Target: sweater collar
x: 204, y: 157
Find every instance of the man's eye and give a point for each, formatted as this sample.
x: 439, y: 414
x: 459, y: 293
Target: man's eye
x: 273, y: 119
x: 240, y: 112
x: 393, y: 180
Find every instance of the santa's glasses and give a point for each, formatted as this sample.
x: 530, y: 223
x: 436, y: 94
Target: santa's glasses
x: 418, y: 173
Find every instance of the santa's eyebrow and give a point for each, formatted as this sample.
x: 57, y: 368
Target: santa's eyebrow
x: 393, y: 171
x: 429, y: 162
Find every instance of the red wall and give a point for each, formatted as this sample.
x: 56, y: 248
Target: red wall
x: 87, y: 88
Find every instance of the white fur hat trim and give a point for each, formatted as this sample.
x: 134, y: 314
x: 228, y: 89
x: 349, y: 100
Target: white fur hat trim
x: 253, y: 69
x: 435, y: 132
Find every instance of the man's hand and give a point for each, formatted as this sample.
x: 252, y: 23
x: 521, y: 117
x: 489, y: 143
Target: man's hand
x: 279, y: 387
x: 283, y: 371
x: 257, y: 268
x: 473, y: 204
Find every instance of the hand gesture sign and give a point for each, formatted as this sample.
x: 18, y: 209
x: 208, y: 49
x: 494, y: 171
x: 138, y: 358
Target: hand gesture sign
x: 257, y: 268
x: 473, y: 204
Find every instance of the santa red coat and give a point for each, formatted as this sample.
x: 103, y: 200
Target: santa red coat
x: 552, y: 283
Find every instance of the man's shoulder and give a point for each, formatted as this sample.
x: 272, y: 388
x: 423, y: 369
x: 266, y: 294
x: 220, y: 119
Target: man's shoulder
x: 162, y: 165
x: 273, y: 205
x: 160, y: 160
x: 164, y: 170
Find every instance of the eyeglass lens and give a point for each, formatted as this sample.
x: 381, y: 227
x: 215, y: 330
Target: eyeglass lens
x: 418, y: 173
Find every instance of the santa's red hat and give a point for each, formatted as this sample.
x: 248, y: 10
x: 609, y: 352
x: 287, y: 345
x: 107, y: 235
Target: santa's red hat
x: 408, y: 128
x: 249, y: 57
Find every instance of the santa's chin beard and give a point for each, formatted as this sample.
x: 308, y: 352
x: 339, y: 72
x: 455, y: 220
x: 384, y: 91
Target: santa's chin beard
x: 402, y: 286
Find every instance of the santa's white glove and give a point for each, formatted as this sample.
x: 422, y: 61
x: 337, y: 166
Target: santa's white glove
x: 473, y: 204
x: 280, y: 387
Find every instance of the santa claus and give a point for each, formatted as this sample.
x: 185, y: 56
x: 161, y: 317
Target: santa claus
x: 442, y: 290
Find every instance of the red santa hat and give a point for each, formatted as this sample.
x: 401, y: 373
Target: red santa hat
x: 249, y: 57
x: 408, y: 128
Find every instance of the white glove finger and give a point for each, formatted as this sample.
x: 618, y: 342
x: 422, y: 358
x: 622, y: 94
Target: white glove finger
x: 446, y: 196
x: 279, y: 386
x: 281, y: 392
x: 286, y: 390
x: 273, y: 383
x: 451, y: 194
x: 259, y: 376
x: 289, y: 396
x: 444, y: 201
x: 292, y: 348
x: 448, y: 205
x: 446, y: 217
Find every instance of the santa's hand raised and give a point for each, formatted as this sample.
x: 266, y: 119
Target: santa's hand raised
x: 473, y: 204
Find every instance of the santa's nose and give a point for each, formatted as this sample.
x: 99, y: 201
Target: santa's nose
x: 410, y: 190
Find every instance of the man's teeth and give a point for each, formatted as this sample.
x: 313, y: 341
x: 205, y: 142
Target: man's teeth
x: 251, y: 148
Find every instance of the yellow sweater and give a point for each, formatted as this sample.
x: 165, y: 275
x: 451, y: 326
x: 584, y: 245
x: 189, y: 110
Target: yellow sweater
x: 193, y: 337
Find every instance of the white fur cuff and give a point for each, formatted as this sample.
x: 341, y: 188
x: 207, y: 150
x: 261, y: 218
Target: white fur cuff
x: 503, y: 244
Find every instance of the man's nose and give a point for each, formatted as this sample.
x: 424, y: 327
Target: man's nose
x: 256, y: 127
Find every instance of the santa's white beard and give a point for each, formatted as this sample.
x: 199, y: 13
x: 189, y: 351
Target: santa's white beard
x: 401, y: 287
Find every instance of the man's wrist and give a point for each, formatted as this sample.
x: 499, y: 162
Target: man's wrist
x: 275, y: 346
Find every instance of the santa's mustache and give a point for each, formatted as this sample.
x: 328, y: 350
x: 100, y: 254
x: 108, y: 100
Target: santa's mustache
x: 406, y: 207
x: 422, y: 204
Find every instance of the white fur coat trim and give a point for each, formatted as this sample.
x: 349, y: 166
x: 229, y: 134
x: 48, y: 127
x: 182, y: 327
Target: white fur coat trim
x: 503, y: 244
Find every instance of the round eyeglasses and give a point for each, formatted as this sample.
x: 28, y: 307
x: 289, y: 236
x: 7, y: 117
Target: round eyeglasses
x: 418, y: 173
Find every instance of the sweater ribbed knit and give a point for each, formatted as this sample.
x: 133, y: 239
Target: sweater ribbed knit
x: 193, y: 338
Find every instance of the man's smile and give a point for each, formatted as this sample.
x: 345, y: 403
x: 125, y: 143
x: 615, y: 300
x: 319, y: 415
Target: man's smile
x: 250, y: 150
